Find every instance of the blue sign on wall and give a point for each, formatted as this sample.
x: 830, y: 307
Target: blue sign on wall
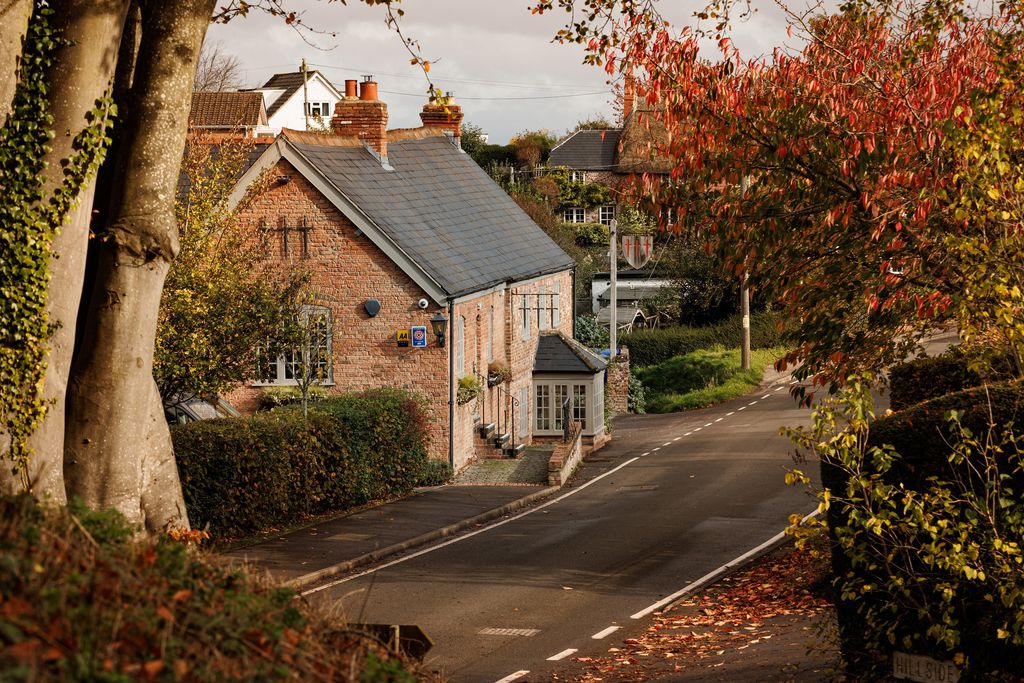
x: 419, y: 337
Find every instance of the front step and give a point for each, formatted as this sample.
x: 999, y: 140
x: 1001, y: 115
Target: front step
x: 500, y: 440
x: 514, y: 451
x: 487, y: 430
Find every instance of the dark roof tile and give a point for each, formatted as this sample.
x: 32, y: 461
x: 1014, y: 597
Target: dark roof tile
x: 226, y: 110
x: 587, y: 150
x: 560, y: 354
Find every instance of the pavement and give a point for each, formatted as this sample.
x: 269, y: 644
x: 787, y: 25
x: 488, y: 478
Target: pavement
x: 486, y: 491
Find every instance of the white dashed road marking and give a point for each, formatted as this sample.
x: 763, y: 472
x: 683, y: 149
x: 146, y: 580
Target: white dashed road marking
x: 562, y: 655
x: 605, y: 633
x: 766, y: 396
x: 513, y: 677
x: 719, y: 419
x: 656, y: 449
x: 752, y: 403
x: 730, y: 413
x: 677, y: 438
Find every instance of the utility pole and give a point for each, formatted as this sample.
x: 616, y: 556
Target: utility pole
x: 613, y: 348
x: 745, y: 299
x: 305, y: 92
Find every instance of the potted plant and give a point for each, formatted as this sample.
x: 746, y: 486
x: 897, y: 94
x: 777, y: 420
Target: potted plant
x: 469, y: 388
x: 498, y: 372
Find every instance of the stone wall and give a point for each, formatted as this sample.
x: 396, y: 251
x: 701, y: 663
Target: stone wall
x: 618, y: 383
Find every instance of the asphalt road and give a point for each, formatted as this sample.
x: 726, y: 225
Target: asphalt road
x: 673, y: 498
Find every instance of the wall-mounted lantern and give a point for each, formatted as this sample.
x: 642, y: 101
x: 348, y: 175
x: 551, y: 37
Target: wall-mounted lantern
x: 439, y: 324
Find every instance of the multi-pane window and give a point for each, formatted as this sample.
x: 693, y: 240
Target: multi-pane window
x: 577, y: 176
x: 607, y: 213
x: 556, y: 306
x: 574, y: 214
x: 460, y: 346
x: 490, y: 334
x: 310, y: 359
x: 542, y: 396
x: 561, y: 391
x: 579, y: 404
x: 322, y: 109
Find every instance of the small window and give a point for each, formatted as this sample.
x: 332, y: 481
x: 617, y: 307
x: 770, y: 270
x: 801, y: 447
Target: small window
x: 607, y: 213
x: 312, y: 360
x: 490, y: 335
x: 460, y: 346
x: 579, y: 404
x: 577, y: 176
x: 524, y: 310
x: 574, y: 214
x: 543, y: 409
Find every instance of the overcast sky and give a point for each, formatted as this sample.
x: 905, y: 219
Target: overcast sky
x: 494, y: 56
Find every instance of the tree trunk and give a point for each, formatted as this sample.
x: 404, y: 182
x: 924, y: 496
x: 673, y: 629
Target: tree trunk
x: 13, y: 24
x: 82, y: 70
x: 111, y: 392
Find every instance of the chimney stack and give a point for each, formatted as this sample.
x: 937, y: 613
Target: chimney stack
x: 445, y: 116
x: 628, y: 97
x: 364, y: 117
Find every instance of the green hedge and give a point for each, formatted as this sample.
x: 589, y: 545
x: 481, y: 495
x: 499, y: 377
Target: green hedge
x: 925, y: 378
x: 243, y: 475
x: 649, y: 347
x: 921, y: 436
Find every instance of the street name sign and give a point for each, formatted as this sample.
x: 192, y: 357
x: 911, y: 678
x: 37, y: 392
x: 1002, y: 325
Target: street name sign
x: 923, y: 669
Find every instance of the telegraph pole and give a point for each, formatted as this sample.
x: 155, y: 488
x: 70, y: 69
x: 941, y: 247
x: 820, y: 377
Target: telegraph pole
x: 613, y: 349
x: 305, y: 92
x: 744, y: 299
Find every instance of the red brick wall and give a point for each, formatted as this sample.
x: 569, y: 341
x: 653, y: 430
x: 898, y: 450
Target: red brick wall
x: 347, y: 270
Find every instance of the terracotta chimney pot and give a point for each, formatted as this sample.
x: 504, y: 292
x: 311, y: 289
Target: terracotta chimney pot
x: 351, y: 89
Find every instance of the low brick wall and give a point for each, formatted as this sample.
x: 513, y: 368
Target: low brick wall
x: 566, y: 457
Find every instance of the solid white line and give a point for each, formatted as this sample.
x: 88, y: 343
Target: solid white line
x: 732, y: 413
x: 766, y: 396
x: 690, y: 587
x: 605, y: 633
x: 512, y: 677
x: 471, y: 534
x: 562, y: 655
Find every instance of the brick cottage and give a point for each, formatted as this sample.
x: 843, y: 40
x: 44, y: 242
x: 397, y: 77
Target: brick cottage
x: 402, y: 231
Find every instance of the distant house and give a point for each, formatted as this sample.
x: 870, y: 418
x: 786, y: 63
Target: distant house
x: 221, y: 114
x: 591, y: 156
x: 290, y: 105
x: 402, y: 231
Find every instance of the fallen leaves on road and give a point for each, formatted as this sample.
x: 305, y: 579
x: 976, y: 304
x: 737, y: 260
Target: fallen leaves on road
x: 750, y: 607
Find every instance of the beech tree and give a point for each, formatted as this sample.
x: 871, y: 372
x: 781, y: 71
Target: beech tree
x: 881, y: 159
x: 80, y: 410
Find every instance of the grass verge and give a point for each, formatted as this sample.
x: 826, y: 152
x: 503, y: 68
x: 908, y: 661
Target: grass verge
x: 702, y: 378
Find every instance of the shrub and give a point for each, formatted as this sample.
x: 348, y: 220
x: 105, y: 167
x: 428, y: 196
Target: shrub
x: 469, y: 388
x: 590, y: 234
x: 924, y: 378
x: 696, y: 370
x: 82, y: 601
x: 648, y: 347
x: 636, y: 398
x: 243, y: 475
x: 926, y: 541
x: 590, y: 333
x: 435, y: 473
x: 275, y: 397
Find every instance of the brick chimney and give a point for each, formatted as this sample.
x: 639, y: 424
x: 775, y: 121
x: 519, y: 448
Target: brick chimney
x: 445, y: 116
x: 628, y: 97
x: 364, y: 117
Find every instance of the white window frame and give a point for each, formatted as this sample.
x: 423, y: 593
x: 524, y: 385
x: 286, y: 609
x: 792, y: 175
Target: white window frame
x: 606, y: 214
x: 576, y: 176
x: 282, y: 363
x: 460, y: 346
x: 559, y: 387
x: 574, y: 214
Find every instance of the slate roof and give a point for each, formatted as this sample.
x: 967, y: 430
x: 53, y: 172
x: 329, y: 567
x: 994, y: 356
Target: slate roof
x: 289, y: 82
x: 254, y: 154
x: 439, y: 207
x: 587, y: 150
x: 226, y: 110
x: 560, y: 354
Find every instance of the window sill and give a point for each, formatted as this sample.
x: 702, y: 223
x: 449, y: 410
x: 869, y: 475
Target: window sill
x: 286, y: 383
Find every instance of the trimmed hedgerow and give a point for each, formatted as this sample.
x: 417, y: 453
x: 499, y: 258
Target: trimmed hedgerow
x: 925, y: 378
x: 82, y: 601
x: 649, y: 347
x: 244, y: 475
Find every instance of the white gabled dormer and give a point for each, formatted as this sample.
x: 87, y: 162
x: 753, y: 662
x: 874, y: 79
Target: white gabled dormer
x: 284, y: 98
